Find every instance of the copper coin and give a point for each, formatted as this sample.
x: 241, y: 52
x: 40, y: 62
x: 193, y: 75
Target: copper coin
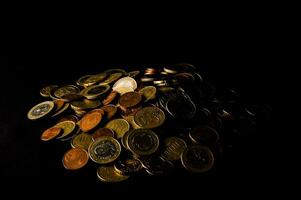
x: 109, y: 98
x: 50, y: 133
x: 59, y: 103
x: 68, y: 118
x: 75, y: 158
x: 110, y: 110
x: 130, y: 99
x: 102, y: 132
x: 90, y: 121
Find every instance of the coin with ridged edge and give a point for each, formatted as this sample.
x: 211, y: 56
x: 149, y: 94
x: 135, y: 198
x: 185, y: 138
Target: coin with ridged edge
x: 40, y: 110
x: 149, y: 117
x: 82, y: 140
x: 75, y: 159
x: 119, y: 126
x: 173, y: 148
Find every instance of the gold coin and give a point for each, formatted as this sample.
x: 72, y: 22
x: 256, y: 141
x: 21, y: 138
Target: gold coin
x: 45, y: 91
x: 110, y: 110
x: 95, y: 91
x: 82, y: 140
x: 104, y: 150
x: 50, y: 133
x: 112, y: 78
x: 119, y: 126
x: 75, y: 159
x: 85, y: 104
x: 90, y: 120
x: 40, y: 110
x: 131, y: 121
x: 82, y: 81
x: 64, y: 90
x: 149, y: 92
x: 174, y: 147
x: 108, y: 174
x: 67, y: 126
x: 66, y: 106
x: 102, y: 132
x: 149, y: 117
x: 91, y: 80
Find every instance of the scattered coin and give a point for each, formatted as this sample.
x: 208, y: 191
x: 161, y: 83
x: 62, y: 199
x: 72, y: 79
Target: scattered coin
x: 50, y: 133
x: 102, y: 132
x: 82, y: 140
x: 67, y: 126
x: 149, y: 117
x: 75, y: 159
x: 40, y: 110
x: 173, y: 148
x: 108, y: 174
x: 90, y: 121
x: 119, y: 126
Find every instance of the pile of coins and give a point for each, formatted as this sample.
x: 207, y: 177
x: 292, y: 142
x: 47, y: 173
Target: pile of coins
x: 154, y: 121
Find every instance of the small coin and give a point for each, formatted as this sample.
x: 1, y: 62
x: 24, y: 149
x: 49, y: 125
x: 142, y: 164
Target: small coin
x: 104, y: 150
x: 90, y: 121
x: 127, y: 166
x: 112, y: 78
x: 95, y: 91
x: 108, y: 174
x: 110, y: 98
x: 67, y: 126
x: 85, y: 104
x: 155, y: 165
x: 82, y: 140
x: 149, y: 117
x: 40, y: 110
x: 75, y: 158
x: 50, y: 133
x: 204, y: 135
x: 143, y: 142
x: 149, y: 92
x: 130, y: 99
x: 119, y: 126
x: 173, y: 148
x: 45, y: 91
x: 110, y: 110
x: 102, y: 132
x: 197, y: 158
x: 64, y: 90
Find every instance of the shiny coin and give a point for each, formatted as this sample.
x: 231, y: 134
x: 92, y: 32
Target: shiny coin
x: 149, y: 117
x: 112, y: 78
x: 173, y: 148
x: 119, y: 126
x: 40, y: 110
x: 149, y: 92
x: 75, y: 159
x: 109, y: 175
x: 50, y: 133
x: 147, y: 79
x: 130, y: 99
x: 93, y: 79
x: 127, y: 166
x: 64, y: 90
x: 82, y: 140
x: 45, y: 91
x: 82, y: 80
x: 85, y: 104
x: 67, y: 126
x: 126, y: 82
x: 204, y: 135
x: 104, y: 150
x: 102, y: 132
x: 143, y: 142
x: 95, y: 91
x: 90, y: 121
x: 197, y: 158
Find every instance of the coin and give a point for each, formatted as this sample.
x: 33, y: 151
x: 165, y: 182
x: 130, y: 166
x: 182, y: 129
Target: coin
x: 40, y: 110
x: 85, y: 104
x: 130, y: 99
x: 102, y: 132
x: 112, y: 78
x: 50, y: 133
x: 67, y: 126
x: 127, y: 166
x: 82, y: 140
x: 155, y: 165
x: 143, y: 142
x: 68, y: 118
x: 124, y: 140
x: 108, y: 174
x: 181, y: 108
x: 104, y: 150
x: 170, y: 70
x: 125, y: 84
x: 147, y: 79
x: 75, y: 159
x: 95, y: 91
x: 91, y: 80
x: 112, y: 71
x: 82, y: 80
x: 64, y: 90
x: 45, y: 91
x: 66, y: 106
x: 149, y: 92
x: 90, y: 121
x: 109, y: 98
x: 166, y: 89
x: 71, y: 97
x: 119, y: 126
x: 197, y: 158
x: 149, y: 117
x: 133, y: 74
x: 110, y: 110
x: 173, y: 148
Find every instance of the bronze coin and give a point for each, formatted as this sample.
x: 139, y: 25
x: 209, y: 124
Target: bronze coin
x: 110, y: 98
x: 130, y: 99
x: 75, y: 158
x: 102, y: 132
x: 50, y: 133
x: 90, y: 121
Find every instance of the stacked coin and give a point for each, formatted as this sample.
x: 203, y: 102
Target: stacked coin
x: 169, y: 119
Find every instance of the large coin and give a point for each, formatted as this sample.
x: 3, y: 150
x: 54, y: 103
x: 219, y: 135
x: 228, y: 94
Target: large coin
x: 75, y: 159
x: 90, y: 121
x: 204, y: 135
x: 130, y: 99
x: 95, y: 91
x: 108, y: 174
x: 64, y: 90
x: 143, y: 142
x: 173, y: 149
x: 119, y: 126
x: 102, y: 132
x: 149, y: 92
x: 197, y: 158
x: 67, y: 126
x: 82, y: 140
x: 149, y: 117
x: 112, y: 78
x: 45, y: 91
x: 50, y: 133
x: 127, y: 166
x: 40, y: 110
x: 104, y: 150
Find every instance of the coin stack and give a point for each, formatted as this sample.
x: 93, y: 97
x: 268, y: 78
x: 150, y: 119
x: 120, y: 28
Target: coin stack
x: 152, y: 121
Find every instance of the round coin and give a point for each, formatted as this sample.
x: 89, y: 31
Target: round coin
x: 82, y: 80
x: 64, y: 90
x: 149, y: 117
x: 40, y: 110
x: 119, y: 126
x: 75, y: 159
x: 95, y: 91
x: 90, y: 121
x: 112, y: 78
x: 67, y: 126
x: 204, y: 135
x: 91, y: 80
x: 85, y: 104
x: 174, y: 147
x: 110, y: 110
x: 82, y: 140
x: 50, y: 133
x: 102, y: 132
x: 45, y: 91
x: 127, y: 166
x: 149, y: 92
x: 108, y: 174
x: 130, y: 99
x: 104, y: 150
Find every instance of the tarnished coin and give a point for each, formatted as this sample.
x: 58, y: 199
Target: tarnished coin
x: 125, y: 84
x: 82, y: 140
x: 197, y: 158
x: 102, y: 132
x: 64, y: 108
x: 45, y: 91
x: 155, y: 165
x: 130, y: 99
x: 90, y: 121
x: 113, y: 71
x: 109, y: 175
x: 50, y: 133
x: 75, y: 158
x: 110, y: 110
x: 95, y: 91
x: 149, y: 92
x: 64, y: 90
x: 127, y: 166
x: 181, y: 108
x: 133, y: 74
x: 143, y: 142
x: 111, y: 79
x: 85, y: 104
x: 149, y: 117
x: 93, y: 79
x: 67, y: 126
x: 119, y: 126
x: 40, y: 110
x: 71, y: 97
x: 68, y: 118
x: 110, y: 98
x: 104, y: 150
x: 173, y: 148
x: 204, y: 135
x: 82, y: 81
